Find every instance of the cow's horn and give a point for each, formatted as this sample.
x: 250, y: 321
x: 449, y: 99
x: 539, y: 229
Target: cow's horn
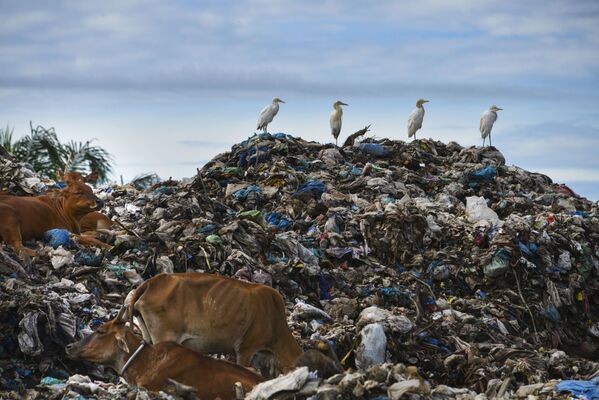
x: 121, y: 314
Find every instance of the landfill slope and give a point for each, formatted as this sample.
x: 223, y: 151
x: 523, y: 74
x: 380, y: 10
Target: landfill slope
x: 433, y: 269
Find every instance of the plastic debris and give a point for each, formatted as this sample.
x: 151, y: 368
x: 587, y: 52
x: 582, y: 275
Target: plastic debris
x: 373, y: 346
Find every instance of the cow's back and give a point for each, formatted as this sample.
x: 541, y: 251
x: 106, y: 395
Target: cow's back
x: 206, y: 313
x: 214, y: 314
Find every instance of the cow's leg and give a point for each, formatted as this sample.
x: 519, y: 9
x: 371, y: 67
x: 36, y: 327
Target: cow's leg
x: 247, y: 349
x: 10, y: 232
x: 244, y: 357
x: 89, y: 240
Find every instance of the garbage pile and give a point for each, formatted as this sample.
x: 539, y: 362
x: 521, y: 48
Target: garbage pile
x: 19, y: 178
x: 433, y: 270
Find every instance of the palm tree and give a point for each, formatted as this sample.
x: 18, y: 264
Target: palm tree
x: 44, y: 152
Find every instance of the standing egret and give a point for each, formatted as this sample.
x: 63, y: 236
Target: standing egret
x: 486, y: 122
x: 415, y: 118
x: 268, y: 113
x: 336, y: 119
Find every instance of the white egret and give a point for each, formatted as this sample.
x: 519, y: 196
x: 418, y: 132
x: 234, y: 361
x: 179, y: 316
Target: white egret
x: 486, y: 122
x: 268, y: 113
x: 336, y: 119
x: 416, y: 117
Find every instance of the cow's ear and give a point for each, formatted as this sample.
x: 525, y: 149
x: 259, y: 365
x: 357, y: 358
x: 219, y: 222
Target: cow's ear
x: 91, y: 178
x: 120, y: 340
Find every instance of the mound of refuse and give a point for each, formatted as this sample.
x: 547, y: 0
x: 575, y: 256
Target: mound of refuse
x: 434, y: 270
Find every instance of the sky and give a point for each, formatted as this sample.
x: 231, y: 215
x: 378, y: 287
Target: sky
x: 166, y: 85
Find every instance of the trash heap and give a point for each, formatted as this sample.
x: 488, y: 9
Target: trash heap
x: 434, y: 270
x: 18, y: 178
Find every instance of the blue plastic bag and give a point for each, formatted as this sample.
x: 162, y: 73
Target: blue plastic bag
x: 315, y: 188
x: 278, y: 220
x: 374, y: 149
x: 207, y: 229
x: 486, y: 174
x: 58, y: 237
x: 242, y: 194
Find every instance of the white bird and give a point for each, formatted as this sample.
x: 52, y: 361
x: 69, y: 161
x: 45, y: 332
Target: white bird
x: 336, y: 119
x: 415, y: 118
x: 268, y: 113
x: 486, y: 122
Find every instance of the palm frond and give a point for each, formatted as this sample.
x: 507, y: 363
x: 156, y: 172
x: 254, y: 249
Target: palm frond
x: 47, y: 154
x: 83, y: 157
x: 6, y: 138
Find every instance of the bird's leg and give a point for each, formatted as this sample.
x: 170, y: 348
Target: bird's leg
x: 336, y: 142
x: 490, y: 144
x: 484, y: 141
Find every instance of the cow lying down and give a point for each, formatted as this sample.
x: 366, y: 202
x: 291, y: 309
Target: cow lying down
x: 94, y: 220
x: 26, y: 218
x: 155, y: 366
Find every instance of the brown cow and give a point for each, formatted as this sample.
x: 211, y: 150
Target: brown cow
x: 25, y: 218
x: 214, y: 314
x: 114, y: 344
x: 94, y: 220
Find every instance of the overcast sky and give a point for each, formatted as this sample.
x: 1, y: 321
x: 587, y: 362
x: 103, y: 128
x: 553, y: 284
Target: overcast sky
x: 164, y: 85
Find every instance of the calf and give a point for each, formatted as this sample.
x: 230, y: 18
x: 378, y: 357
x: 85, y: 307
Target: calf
x: 152, y: 366
x: 214, y: 314
x: 25, y: 218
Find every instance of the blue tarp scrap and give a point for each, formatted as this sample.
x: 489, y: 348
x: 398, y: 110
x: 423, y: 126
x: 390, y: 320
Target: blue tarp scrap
x: 588, y: 390
x: 278, y: 220
x: 315, y: 188
x: 374, y: 149
x: 242, y: 194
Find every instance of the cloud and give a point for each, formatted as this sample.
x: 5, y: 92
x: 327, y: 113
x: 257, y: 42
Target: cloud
x: 226, y: 46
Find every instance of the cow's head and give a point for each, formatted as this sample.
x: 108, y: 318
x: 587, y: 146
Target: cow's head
x: 80, y: 199
x: 110, y: 344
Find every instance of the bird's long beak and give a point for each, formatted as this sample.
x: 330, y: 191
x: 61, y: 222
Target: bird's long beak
x: 343, y: 104
x: 499, y: 109
x: 281, y: 101
x: 426, y: 101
